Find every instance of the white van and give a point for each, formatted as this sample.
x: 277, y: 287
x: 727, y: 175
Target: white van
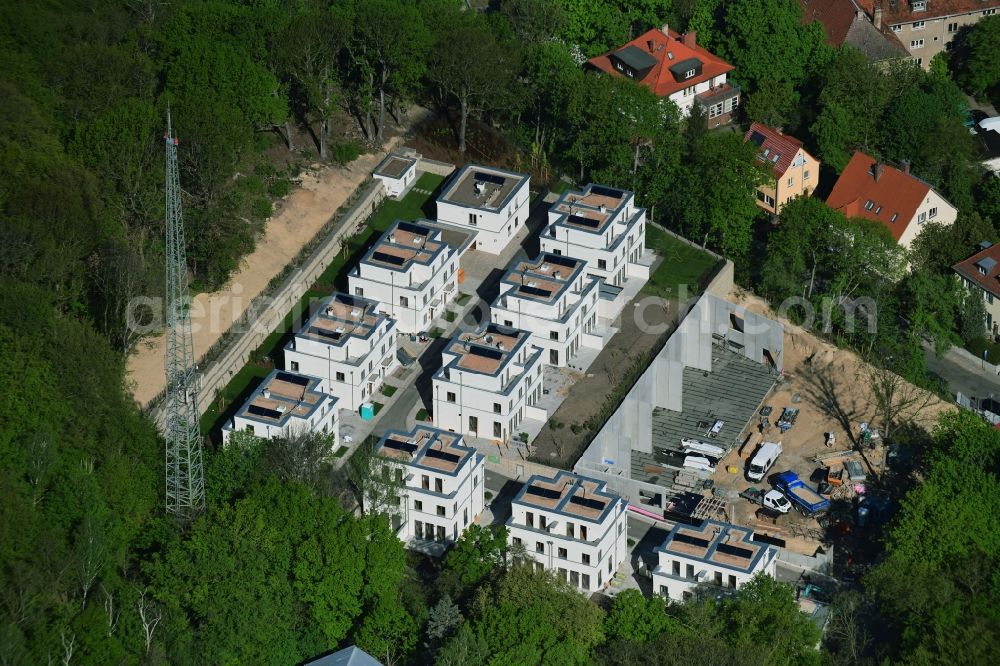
x: 763, y: 460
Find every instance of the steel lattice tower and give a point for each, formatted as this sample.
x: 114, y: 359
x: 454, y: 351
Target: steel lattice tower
x: 184, y: 475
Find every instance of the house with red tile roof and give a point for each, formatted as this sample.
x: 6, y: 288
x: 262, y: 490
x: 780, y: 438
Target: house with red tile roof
x: 893, y: 197
x: 980, y: 274
x: 847, y: 22
x: 794, y: 171
x: 676, y: 67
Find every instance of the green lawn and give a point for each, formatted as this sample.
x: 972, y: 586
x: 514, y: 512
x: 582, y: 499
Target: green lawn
x: 412, y: 207
x: 561, y: 186
x: 436, y: 332
x: 339, y: 453
x: 450, y: 316
x: 422, y: 414
x: 682, y: 264
x: 463, y: 298
x: 388, y: 391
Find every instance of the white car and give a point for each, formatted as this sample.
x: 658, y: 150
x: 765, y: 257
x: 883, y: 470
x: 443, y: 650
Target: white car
x: 775, y: 501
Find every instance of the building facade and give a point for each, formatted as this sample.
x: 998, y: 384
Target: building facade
x: 551, y: 297
x: 676, y: 67
x: 397, y: 172
x: 411, y: 272
x: 442, y: 484
x: 602, y: 226
x: 715, y: 553
x: 490, y: 380
x: 492, y: 202
x: 286, y: 404
x: 571, y: 526
x: 795, y: 172
x: 980, y: 274
x: 927, y: 27
x: 348, y: 344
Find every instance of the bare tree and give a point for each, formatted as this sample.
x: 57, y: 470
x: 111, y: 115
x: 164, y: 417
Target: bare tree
x: 91, y: 554
x: 68, y: 640
x: 150, y: 616
x: 895, y: 400
x: 40, y: 458
x: 111, y: 610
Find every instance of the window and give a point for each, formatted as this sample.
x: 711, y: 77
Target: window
x: 508, y: 323
x: 425, y: 482
x: 919, y: 6
x: 921, y: 218
x: 989, y: 298
x: 878, y: 209
x: 569, y: 529
x: 718, y: 578
x: 989, y: 12
x: 539, y: 547
x: 689, y: 91
x: 562, y: 554
x: 768, y: 200
x: 869, y: 204
x: 294, y: 366
x: 805, y: 175
x: 790, y: 181
x: 472, y: 220
x: 497, y: 429
x: 689, y: 571
x: 897, y: 28
x: 340, y: 376
x: 530, y: 519
x: 602, y: 264
x: 732, y: 581
x: 404, y: 302
x: 418, y: 505
x: 497, y: 408
x: 676, y: 568
x: 249, y: 429
x: 475, y: 482
x: 516, y: 540
x: 438, y: 486
x: 440, y: 510
x: 894, y: 216
x: 553, y: 335
x: 418, y: 527
x: 952, y: 27
x: 585, y: 558
x: 358, y: 291
x: 932, y: 213
x: 689, y: 73
x: 715, y: 110
x: 554, y: 356
x: 585, y: 581
x: 474, y: 424
x: 916, y: 43
x: 917, y: 25
x: 558, y: 253
x: 450, y: 397
x: 583, y: 532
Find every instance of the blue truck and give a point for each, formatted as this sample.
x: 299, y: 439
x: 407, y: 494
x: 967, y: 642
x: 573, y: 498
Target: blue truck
x: 806, y: 500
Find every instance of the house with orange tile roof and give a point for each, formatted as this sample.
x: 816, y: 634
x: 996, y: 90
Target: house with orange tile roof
x: 794, y: 171
x: 893, y: 197
x: 489, y: 383
x: 980, y: 274
x: 676, y: 67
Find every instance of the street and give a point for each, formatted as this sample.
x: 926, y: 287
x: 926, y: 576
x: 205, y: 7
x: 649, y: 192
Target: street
x: 961, y: 375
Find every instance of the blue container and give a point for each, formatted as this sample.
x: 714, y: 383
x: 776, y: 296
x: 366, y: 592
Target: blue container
x: 367, y: 411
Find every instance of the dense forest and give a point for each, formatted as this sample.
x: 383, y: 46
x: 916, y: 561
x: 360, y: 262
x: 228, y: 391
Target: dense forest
x: 279, y: 568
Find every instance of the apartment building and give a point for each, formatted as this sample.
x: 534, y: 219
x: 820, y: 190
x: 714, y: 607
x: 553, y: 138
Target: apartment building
x: 714, y: 553
x: 397, y: 172
x: 676, y: 67
x: 347, y: 343
x: 442, y: 483
x: 490, y: 380
x: 927, y: 27
x: 553, y: 298
x: 980, y: 274
x: 794, y: 171
x: 411, y: 272
x: 602, y: 226
x: 492, y: 202
x: 285, y: 404
x: 847, y: 22
x: 572, y: 526
x: 890, y: 196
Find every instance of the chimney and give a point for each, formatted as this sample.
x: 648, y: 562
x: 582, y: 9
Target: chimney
x: 877, y: 15
x: 877, y: 170
x: 651, y: 45
x: 691, y: 38
x: 905, y: 165
x: 665, y: 29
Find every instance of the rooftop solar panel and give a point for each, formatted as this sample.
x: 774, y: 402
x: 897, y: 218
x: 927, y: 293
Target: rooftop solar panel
x: 587, y: 502
x: 535, y: 291
x: 414, y: 228
x: 442, y: 455
x: 298, y: 380
x: 561, y: 261
x: 584, y: 221
x: 333, y: 335
x: 547, y: 493
x: 488, y: 352
x: 264, y: 411
x: 735, y: 551
x: 693, y: 540
x: 606, y: 192
x: 489, y: 178
x: 388, y: 258
x: 400, y: 445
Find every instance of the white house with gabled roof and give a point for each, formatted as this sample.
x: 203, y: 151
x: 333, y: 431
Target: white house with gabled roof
x: 553, y: 298
x: 713, y: 553
x: 411, y: 272
x: 490, y: 380
x: 603, y: 226
x: 492, y: 202
x: 348, y: 344
x: 442, y: 484
x: 572, y: 526
x: 285, y: 404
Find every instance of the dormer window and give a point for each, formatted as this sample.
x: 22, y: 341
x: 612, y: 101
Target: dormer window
x: 869, y: 204
x: 919, y: 5
x: 894, y: 217
x: 689, y: 73
x: 878, y: 210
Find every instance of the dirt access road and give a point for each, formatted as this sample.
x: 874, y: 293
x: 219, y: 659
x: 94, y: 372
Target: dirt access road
x: 297, y: 220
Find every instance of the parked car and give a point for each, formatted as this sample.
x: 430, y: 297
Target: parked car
x: 762, y: 461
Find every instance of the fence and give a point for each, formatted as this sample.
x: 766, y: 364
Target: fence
x: 233, y: 350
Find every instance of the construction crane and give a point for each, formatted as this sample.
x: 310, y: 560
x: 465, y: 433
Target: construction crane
x: 185, y: 479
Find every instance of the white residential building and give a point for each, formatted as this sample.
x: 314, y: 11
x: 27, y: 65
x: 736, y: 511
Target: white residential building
x: 553, y: 298
x: 715, y: 553
x: 397, y: 172
x: 492, y: 202
x: 285, y: 404
x: 572, y: 526
x: 602, y: 226
x: 443, y: 483
x: 490, y: 381
x: 411, y: 272
x: 349, y: 344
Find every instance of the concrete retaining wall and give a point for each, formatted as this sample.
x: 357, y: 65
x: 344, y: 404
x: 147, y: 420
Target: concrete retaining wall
x: 435, y: 167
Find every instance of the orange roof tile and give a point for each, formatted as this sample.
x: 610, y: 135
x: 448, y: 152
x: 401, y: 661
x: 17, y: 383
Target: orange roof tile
x: 989, y: 260
x: 773, y: 144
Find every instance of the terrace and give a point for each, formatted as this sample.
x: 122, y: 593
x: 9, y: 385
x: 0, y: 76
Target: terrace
x: 394, y: 165
x: 281, y: 396
x: 591, y: 210
x: 426, y: 447
x: 714, y: 542
x: 483, y: 187
x: 569, y: 494
x: 487, y: 351
x: 342, y: 317
x: 545, y: 278
x: 402, y: 246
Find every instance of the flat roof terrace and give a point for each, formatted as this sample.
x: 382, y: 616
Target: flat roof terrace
x: 487, y: 350
x: 280, y: 396
x: 569, y: 494
x: 394, y: 165
x: 544, y: 278
x: 403, y: 245
x: 732, y: 392
x: 483, y: 187
x: 592, y: 209
x: 426, y: 447
x: 728, y: 545
x: 341, y: 318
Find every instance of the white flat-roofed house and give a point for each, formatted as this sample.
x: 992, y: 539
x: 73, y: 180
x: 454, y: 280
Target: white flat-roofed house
x: 492, y: 202
x: 349, y: 344
x: 285, y: 404
x: 571, y: 526
x: 552, y: 297
x: 490, y: 380
x: 602, y: 226
x: 713, y: 553
x: 411, y: 272
x: 443, y: 484
x: 397, y: 172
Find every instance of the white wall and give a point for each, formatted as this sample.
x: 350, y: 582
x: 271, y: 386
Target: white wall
x: 324, y: 419
x: 946, y: 215
x: 461, y: 497
x: 494, y: 228
x: 693, y: 572
x: 419, y: 286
